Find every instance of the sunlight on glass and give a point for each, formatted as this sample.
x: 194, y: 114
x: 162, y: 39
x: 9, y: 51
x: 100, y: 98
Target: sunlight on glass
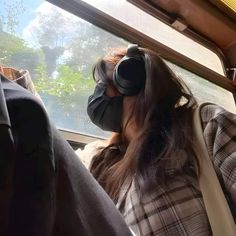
x: 59, y: 50
x: 141, y: 21
x: 203, y: 90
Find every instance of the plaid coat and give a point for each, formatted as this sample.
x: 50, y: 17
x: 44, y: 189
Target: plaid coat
x: 176, y: 206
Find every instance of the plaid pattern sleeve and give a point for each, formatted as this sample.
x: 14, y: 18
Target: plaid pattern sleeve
x: 175, y: 208
x: 219, y: 128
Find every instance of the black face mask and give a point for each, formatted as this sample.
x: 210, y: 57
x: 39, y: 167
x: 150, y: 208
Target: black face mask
x: 105, y: 112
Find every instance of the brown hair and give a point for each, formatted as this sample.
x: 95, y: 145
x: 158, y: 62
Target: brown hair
x: 162, y: 112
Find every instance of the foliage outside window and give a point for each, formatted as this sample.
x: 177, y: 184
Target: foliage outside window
x: 59, y: 49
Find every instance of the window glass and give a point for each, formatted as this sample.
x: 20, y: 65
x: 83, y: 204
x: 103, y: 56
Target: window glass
x: 59, y: 50
x: 154, y: 28
x: 203, y: 90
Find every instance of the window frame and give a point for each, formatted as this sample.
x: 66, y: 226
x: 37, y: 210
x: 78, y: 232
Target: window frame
x: 188, y: 32
x: 76, y: 137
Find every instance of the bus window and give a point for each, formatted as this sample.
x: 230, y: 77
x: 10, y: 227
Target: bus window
x: 59, y: 49
x: 154, y: 28
x: 203, y: 90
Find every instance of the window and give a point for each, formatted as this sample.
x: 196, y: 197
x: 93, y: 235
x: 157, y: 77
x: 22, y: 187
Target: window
x: 59, y: 50
x: 145, y: 23
x: 203, y: 90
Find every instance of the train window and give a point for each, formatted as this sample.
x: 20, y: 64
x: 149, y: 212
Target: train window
x: 59, y: 49
x: 154, y: 28
x: 204, y: 90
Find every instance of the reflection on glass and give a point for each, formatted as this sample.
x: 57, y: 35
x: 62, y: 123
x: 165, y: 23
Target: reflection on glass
x: 59, y: 49
x: 141, y: 21
x: 205, y: 91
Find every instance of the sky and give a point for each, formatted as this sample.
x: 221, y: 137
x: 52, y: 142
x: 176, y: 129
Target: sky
x: 30, y: 12
x: 29, y: 19
x: 27, y: 16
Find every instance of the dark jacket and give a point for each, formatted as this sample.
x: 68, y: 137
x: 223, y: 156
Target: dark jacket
x: 44, y: 188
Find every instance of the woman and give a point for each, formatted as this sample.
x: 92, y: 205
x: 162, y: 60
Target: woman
x: 148, y: 166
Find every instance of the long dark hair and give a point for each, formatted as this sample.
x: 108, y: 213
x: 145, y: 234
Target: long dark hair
x: 162, y: 113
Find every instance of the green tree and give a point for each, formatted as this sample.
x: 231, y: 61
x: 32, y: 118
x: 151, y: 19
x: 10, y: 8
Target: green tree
x: 16, y: 53
x: 52, y: 34
x: 9, y: 44
x: 51, y: 55
x: 52, y: 28
x: 67, y: 83
x: 67, y: 88
x: 88, y: 44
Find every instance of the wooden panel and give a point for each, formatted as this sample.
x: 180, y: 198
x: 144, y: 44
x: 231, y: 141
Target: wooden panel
x: 204, y: 20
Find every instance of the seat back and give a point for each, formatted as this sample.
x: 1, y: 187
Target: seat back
x: 6, y: 161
